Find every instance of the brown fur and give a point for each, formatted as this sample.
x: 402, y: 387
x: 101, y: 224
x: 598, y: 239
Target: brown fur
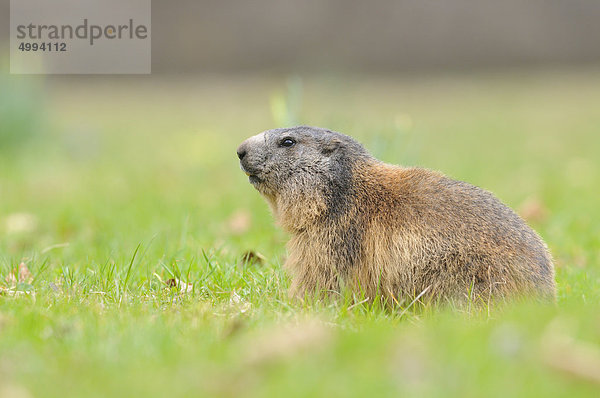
x: 394, y: 232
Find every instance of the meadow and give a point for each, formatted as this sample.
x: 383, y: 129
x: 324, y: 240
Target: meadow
x: 136, y: 260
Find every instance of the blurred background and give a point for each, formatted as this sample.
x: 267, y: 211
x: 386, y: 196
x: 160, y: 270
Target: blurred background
x: 505, y: 95
x: 208, y: 36
x: 96, y: 170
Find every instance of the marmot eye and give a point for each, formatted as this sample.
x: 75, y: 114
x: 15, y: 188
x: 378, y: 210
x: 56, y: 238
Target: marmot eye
x: 287, y: 142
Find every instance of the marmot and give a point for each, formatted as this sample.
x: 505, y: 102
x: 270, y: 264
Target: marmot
x: 389, y: 231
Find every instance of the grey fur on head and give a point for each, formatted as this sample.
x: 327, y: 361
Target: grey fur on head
x: 315, y: 154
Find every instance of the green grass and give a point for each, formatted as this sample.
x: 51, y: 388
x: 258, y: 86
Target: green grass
x: 127, y: 184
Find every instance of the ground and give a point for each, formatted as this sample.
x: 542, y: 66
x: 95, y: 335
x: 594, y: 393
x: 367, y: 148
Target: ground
x: 125, y: 224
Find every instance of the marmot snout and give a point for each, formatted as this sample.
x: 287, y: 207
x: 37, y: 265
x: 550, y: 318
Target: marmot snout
x: 380, y: 229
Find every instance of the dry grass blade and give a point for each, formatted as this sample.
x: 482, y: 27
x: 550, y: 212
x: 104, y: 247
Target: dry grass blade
x: 359, y: 303
x: 415, y: 300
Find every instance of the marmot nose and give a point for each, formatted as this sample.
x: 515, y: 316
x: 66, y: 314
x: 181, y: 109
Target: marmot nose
x: 241, y: 152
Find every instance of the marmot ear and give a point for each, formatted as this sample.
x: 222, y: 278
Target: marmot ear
x: 330, y: 146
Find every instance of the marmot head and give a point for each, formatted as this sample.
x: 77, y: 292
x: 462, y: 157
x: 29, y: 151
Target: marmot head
x: 301, y: 164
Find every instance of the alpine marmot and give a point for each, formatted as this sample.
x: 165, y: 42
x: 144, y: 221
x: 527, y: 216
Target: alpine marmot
x: 388, y: 231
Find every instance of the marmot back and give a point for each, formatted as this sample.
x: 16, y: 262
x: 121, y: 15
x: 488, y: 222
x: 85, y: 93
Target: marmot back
x: 385, y: 230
